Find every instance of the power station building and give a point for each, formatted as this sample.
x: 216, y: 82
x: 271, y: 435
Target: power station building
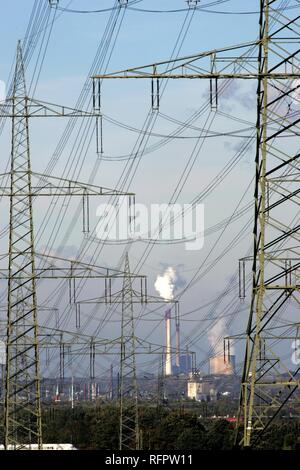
x: 200, y: 389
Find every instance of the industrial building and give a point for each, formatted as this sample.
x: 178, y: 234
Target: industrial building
x: 200, y: 389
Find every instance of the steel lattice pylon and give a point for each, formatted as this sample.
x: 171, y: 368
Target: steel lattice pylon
x: 129, y: 419
x: 22, y: 407
x: 22, y: 413
x: 269, y: 378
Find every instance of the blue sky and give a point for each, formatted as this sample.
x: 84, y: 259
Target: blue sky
x: 145, y: 38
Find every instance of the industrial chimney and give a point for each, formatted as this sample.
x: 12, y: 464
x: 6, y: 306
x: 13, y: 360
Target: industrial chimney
x: 177, y: 346
x: 168, y: 359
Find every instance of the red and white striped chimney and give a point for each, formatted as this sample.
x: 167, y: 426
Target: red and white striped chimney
x: 168, y: 358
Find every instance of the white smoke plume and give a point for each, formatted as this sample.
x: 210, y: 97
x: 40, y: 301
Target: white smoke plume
x: 216, y: 337
x: 165, y: 284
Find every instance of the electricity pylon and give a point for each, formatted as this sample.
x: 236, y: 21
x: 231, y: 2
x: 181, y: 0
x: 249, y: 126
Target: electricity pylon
x: 129, y: 437
x: 268, y: 383
x: 22, y: 400
x: 131, y: 345
x: 270, y: 379
x: 22, y: 410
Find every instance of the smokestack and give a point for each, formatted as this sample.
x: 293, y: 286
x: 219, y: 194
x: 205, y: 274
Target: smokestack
x: 72, y: 393
x: 168, y: 360
x: 177, y: 346
x: 177, y: 360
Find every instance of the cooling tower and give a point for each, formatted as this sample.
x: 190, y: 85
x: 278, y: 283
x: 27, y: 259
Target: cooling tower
x: 220, y: 365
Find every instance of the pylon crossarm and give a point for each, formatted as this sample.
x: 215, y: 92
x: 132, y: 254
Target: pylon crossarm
x: 56, y: 267
x: 199, y: 75
x: 37, y: 108
x: 207, y: 58
x: 54, y: 337
x: 206, y: 65
x: 42, y: 308
x: 116, y: 297
x: 77, y: 263
x: 288, y: 331
x: 55, y: 186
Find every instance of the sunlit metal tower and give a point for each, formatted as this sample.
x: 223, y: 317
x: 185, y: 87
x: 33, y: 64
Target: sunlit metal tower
x: 129, y: 415
x: 22, y: 411
x: 22, y: 402
x: 270, y: 378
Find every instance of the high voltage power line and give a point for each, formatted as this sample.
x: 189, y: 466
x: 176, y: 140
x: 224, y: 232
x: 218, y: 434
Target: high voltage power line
x: 273, y: 123
x: 263, y: 367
